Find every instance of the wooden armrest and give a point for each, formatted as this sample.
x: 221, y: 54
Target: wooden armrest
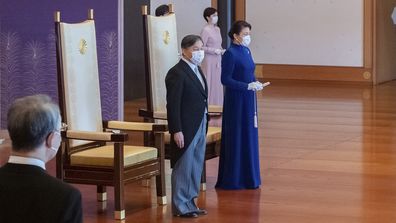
x: 95, y: 136
x: 213, y: 111
x: 137, y: 126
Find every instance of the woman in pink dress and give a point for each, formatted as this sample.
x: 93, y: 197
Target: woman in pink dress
x: 211, y: 65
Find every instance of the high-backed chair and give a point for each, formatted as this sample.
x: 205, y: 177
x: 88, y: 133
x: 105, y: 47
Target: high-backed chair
x: 90, y: 153
x: 161, y: 53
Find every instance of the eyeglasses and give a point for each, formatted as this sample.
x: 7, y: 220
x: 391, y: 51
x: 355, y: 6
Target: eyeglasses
x: 63, y: 126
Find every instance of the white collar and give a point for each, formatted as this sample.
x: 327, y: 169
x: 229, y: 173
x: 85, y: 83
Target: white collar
x: 27, y: 160
x: 192, y: 66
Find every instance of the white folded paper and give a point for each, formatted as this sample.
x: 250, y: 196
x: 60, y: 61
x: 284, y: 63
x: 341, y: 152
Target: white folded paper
x: 266, y: 84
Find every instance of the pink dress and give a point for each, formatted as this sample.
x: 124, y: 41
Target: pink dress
x: 211, y: 67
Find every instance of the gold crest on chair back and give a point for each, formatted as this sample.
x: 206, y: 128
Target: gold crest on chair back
x: 89, y: 155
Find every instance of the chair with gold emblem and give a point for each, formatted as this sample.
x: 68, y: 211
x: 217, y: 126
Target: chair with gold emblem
x: 94, y: 151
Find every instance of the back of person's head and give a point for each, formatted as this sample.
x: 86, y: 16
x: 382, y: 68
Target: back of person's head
x: 30, y: 120
x: 162, y: 10
x: 189, y: 40
x: 208, y: 12
x: 237, y: 27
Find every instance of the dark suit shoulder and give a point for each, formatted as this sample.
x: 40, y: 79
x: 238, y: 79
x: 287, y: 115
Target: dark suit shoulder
x: 176, y: 72
x: 62, y: 185
x: 178, y: 68
x: 21, y: 185
x: 34, y: 177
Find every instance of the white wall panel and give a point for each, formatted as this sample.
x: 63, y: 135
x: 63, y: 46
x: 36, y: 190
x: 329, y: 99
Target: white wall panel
x: 307, y: 32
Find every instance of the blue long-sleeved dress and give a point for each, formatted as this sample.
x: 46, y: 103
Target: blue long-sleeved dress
x: 239, y: 166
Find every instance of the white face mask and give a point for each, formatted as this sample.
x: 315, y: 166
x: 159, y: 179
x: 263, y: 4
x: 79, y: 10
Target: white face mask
x: 214, y: 19
x: 246, y: 41
x: 197, y: 57
x: 54, y: 149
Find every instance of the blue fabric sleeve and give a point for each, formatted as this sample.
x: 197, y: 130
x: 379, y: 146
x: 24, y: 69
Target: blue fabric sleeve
x: 227, y: 70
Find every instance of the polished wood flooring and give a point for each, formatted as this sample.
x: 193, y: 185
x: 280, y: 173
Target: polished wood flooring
x: 327, y: 153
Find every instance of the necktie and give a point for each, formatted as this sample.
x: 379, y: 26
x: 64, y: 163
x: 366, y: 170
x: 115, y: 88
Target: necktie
x: 196, y: 71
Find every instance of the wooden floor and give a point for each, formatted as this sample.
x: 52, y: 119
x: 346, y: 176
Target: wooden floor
x: 327, y: 153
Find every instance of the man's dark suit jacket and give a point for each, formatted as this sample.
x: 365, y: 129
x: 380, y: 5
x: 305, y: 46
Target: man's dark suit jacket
x: 29, y: 194
x: 186, y: 102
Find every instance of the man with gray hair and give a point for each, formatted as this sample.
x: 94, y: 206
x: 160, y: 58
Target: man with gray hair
x: 27, y: 192
x: 187, y: 109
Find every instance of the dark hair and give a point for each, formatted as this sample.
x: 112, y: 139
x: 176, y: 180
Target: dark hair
x: 237, y: 27
x: 208, y: 12
x: 189, y: 40
x: 30, y: 120
x: 161, y: 10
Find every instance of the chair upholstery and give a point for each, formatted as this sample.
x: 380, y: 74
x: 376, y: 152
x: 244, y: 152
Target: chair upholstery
x: 89, y: 155
x: 104, y: 156
x: 77, y: 64
x: 163, y: 50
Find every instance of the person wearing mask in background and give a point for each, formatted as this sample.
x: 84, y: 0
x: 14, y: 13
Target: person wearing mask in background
x: 211, y: 65
x: 239, y: 166
x: 162, y: 10
x: 187, y: 108
x: 27, y: 192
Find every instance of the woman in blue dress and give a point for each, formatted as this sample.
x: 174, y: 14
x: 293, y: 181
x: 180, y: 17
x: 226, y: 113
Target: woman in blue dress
x: 239, y: 166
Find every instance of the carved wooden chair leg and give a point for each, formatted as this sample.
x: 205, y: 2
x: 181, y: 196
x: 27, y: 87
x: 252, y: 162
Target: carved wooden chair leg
x: 161, y: 190
x: 160, y: 179
x: 148, y: 138
x: 119, y: 212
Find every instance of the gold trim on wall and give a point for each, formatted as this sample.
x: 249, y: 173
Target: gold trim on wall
x: 368, y: 34
x: 374, y: 41
x: 384, y: 53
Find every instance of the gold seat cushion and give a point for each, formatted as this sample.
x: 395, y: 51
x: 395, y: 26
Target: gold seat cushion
x: 104, y: 155
x: 213, y: 135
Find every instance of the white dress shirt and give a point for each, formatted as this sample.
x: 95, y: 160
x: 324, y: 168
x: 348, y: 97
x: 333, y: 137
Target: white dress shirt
x: 27, y: 161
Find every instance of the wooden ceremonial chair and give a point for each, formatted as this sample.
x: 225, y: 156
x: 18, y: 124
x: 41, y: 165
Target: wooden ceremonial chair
x: 161, y: 53
x: 94, y: 152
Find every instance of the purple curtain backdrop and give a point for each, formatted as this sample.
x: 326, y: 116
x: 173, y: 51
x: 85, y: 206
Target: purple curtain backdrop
x: 27, y: 49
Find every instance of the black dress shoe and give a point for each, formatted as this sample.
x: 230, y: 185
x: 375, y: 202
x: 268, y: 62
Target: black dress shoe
x: 201, y: 212
x: 188, y: 215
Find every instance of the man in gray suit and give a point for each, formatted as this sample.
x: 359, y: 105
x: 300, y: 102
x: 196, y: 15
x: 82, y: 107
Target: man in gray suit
x: 187, y: 119
x: 27, y: 192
